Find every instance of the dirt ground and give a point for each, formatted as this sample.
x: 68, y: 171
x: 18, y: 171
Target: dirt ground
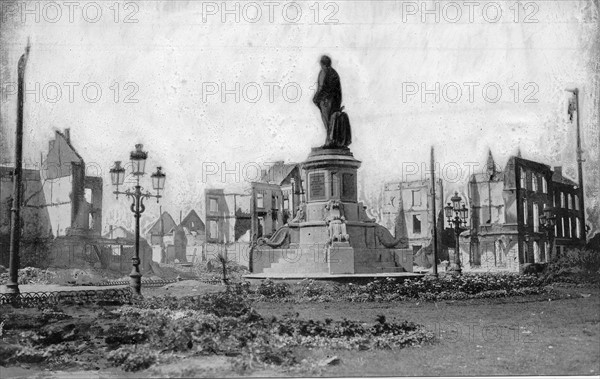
x: 528, y: 335
x: 513, y: 336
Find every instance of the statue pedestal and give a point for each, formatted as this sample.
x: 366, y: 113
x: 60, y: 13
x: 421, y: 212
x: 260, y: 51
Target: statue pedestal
x: 341, y: 258
x: 331, y: 174
x: 335, y: 235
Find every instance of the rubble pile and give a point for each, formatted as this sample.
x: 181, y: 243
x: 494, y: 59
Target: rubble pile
x: 30, y: 275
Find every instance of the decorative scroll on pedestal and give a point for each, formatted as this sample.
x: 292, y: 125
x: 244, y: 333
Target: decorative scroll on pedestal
x: 279, y: 239
x: 386, y: 239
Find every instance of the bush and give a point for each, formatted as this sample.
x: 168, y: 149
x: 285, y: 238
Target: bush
x: 132, y: 358
x: 219, y: 266
x: 222, y: 304
x: 393, y: 289
x: 250, y: 337
x: 576, y: 265
x: 271, y: 290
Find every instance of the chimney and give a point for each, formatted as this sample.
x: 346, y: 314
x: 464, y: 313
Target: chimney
x: 67, y: 134
x: 558, y: 171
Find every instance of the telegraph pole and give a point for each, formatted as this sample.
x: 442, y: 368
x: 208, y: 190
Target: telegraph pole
x: 580, y: 161
x: 15, y: 225
x: 435, y: 236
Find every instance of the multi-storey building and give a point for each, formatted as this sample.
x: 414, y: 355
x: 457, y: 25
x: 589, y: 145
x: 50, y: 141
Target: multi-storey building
x: 506, y: 205
x: 234, y: 220
x: 569, y: 224
x: 228, y: 222
x: 63, y: 206
x: 408, y: 213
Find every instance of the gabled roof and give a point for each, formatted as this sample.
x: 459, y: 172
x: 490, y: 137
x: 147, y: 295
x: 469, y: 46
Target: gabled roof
x: 193, y: 222
x: 490, y: 164
x: 68, y: 141
x: 485, y: 177
x: 512, y: 160
x: 61, y: 154
x: 557, y: 177
x: 128, y: 234
x: 167, y: 225
x: 490, y: 172
x: 278, y: 173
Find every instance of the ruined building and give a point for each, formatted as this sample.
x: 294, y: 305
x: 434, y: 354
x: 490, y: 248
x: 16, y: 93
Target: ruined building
x: 408, y: 213
x: 172, y: 242
x: 234, y: 220
x: 506, y: 205
x: 62, y: 211
x: 228, y: 223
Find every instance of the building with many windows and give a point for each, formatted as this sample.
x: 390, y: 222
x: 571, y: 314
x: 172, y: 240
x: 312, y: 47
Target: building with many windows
x: 506, y: 205
x: 568, y: 230
x: 408, y: 213
x: 234, y: 220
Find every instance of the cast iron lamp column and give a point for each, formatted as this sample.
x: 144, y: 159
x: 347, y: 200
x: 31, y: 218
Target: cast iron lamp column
x: 547, y: 221
x: 460, y: 219
x: 117, y: 176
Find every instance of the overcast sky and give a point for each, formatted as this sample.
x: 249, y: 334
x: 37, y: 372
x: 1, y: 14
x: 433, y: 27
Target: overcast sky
x: 167, y: 72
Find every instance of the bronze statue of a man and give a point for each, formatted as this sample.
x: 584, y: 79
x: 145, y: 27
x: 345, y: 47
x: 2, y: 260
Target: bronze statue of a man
x: 328, y: 97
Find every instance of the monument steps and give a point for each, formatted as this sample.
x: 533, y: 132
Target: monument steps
x: 293, y: 267
x: 374, y: 270
x: 299, y: 267
x: 296, y: 270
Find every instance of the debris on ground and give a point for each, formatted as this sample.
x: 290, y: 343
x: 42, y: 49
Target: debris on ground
x: 331, y: 361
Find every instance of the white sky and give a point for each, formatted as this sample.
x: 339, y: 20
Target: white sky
x: 177, y: 51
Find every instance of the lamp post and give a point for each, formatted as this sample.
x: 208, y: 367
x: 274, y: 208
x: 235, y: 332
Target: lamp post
x: 547, y: 222
x: 117, y: 175
x: 460, y: 219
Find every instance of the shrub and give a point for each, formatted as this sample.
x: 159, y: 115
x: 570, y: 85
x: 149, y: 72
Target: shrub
x: 271, y: 290
x: 311, y: 289
x: 252, y: 338
x: 395, y: 289
x: 219, y: 267
x: 132, y: 358
x: 576, y: 265
x: 222, y: 304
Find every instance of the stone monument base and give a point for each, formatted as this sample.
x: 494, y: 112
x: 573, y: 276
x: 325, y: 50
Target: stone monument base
x: 331, y: 234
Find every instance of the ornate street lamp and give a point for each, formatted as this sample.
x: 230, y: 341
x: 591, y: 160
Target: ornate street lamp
x: 459, y: 222
x: 158, y: 181
x: 117, y: 175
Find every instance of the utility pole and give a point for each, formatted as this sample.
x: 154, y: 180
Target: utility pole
x: 435, y: 235
x: 580, y: 161
x: 15, y: 225
x: 163, y: 254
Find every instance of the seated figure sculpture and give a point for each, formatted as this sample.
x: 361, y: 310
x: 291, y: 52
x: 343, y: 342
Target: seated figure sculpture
x: 336, y: 222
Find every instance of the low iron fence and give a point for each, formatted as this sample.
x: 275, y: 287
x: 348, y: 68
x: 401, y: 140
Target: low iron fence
x: 35, y: 299
x: 83, y: 296
x: 155, y: 283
